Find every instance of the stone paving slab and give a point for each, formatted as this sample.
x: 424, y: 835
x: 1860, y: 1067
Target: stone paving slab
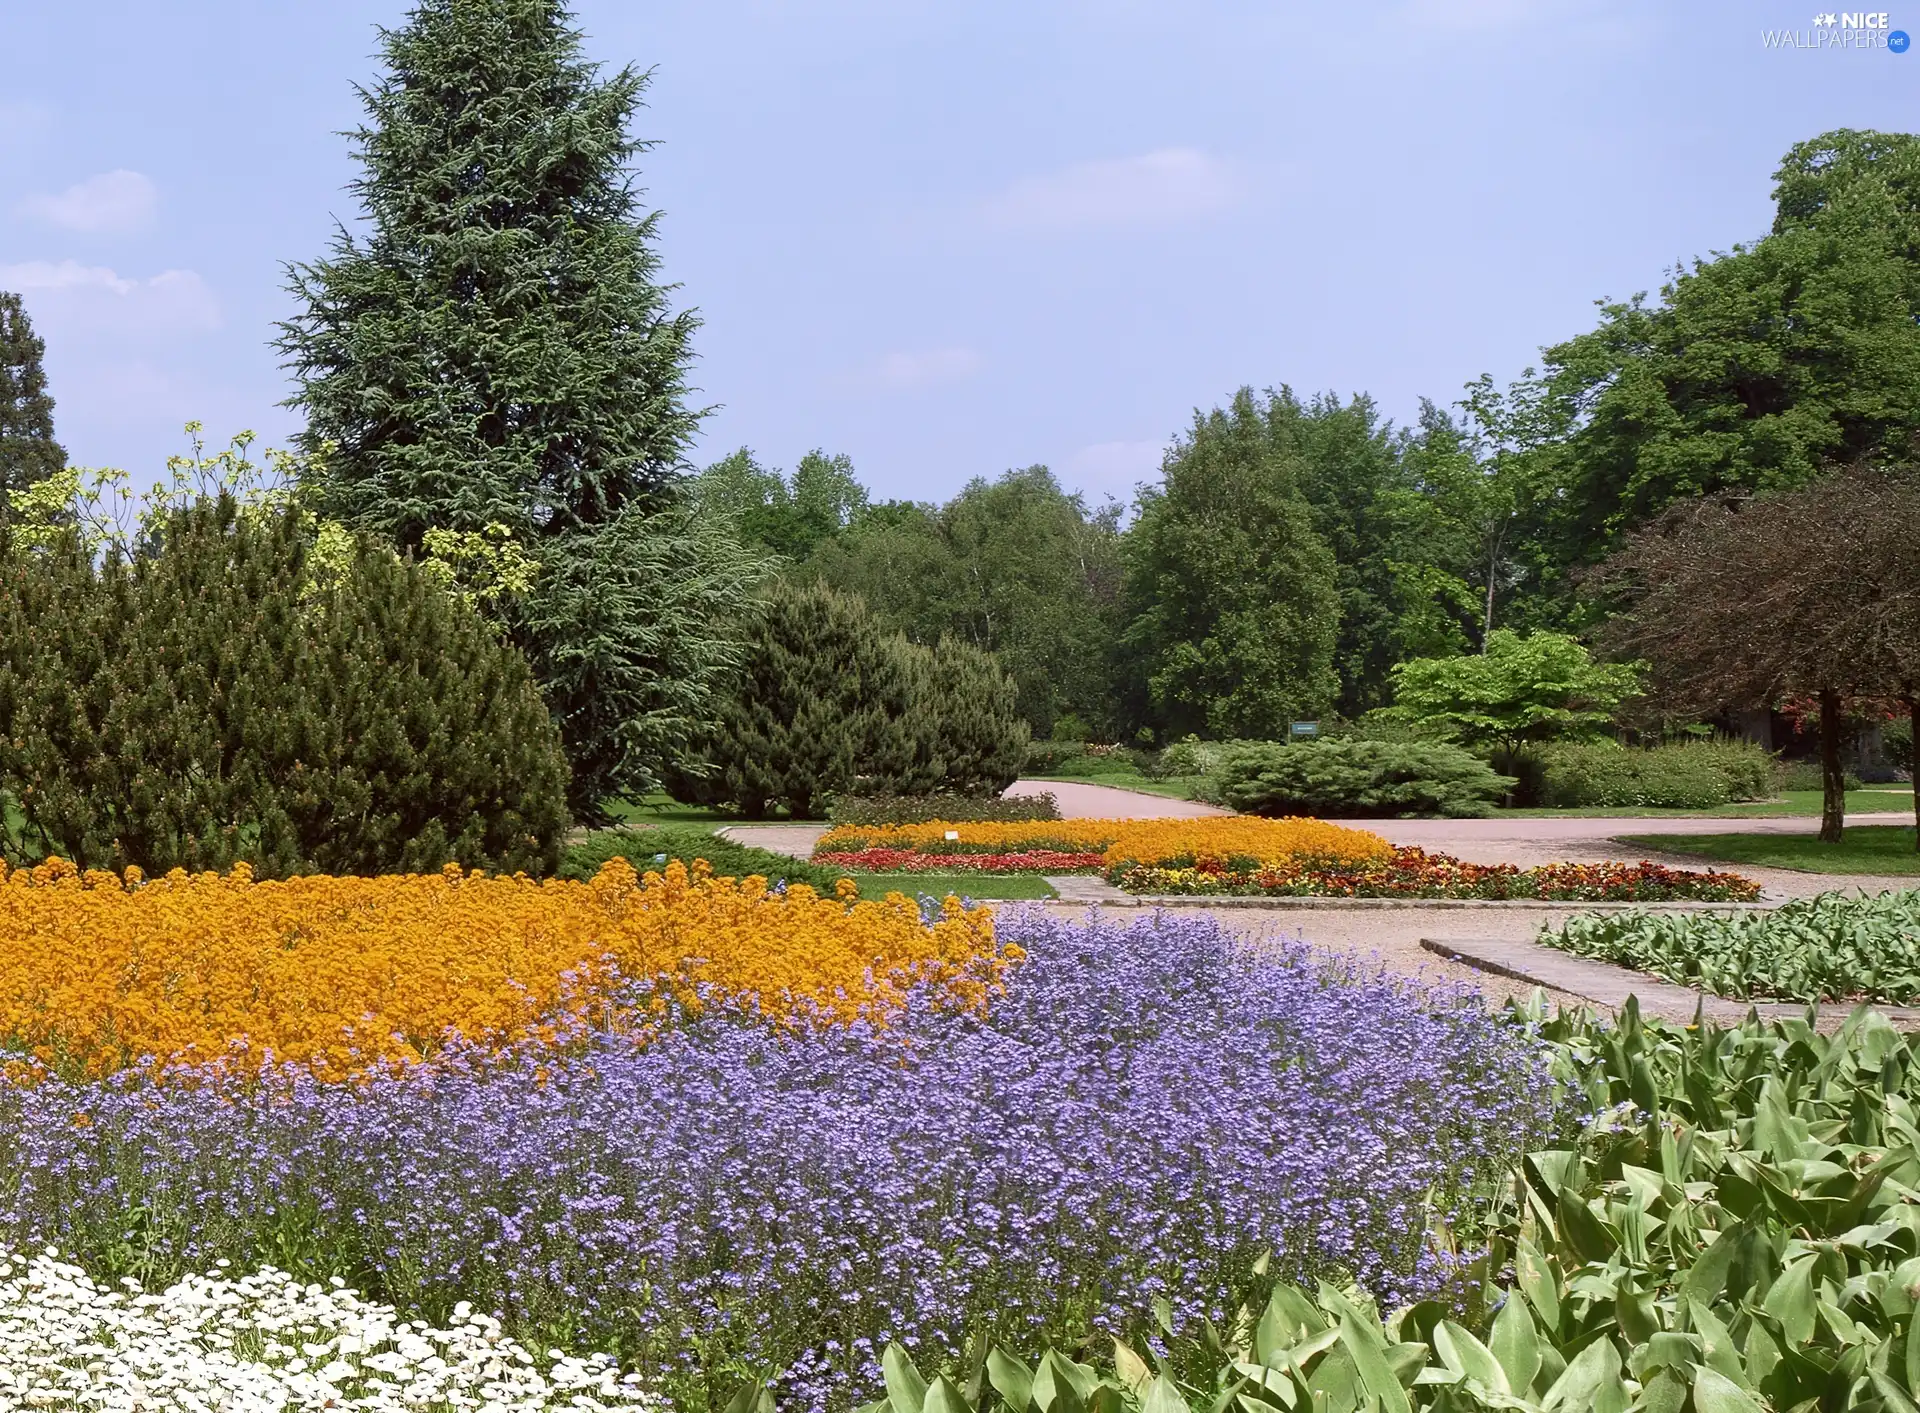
x: 1610, y: 986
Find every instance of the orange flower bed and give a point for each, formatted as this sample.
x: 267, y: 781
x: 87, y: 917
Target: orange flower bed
x: 1213, y: 838
x: 98, y: 972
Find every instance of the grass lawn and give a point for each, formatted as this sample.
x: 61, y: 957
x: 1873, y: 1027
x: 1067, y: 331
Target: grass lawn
x: 984, y: 886
x: 663, y: 809
x: 1864, y: 848
x: 1874, y: 799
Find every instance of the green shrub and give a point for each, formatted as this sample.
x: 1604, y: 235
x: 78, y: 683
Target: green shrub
x: 1805, y: 775
x: 827, y: 703
x: 222, y: 698
x: 918, y: 809
x: 1834, y: 947
x: 1682, y: 775
x: 655, y: 847
x: 1897, y: 741
x: 1103, y: 763
x: 1188, y: 756
x: 1047, y: 757
x: 1347, y: 778
x: 980, y: 737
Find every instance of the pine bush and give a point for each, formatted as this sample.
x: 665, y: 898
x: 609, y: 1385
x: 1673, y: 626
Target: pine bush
x: 827, y: 703
x: 1352, y: 778
x: 221, y: 698
x: 982, y: 737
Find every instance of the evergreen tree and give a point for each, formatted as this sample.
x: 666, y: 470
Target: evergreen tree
x: 1234, y: 606
x: 826, y: 700
x: 221, y: 698
x: 499, y: 349
x: 982, y: 739
x: 28, y: 452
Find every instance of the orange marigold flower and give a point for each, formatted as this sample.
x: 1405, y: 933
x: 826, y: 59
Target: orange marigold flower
x: 99, y: 971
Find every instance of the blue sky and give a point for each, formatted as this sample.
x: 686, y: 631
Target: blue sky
x: 950, y: 239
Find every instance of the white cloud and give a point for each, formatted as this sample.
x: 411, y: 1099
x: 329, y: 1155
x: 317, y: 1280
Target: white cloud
x: 1113, y: 468
x: 906, y: 370
x: 68, y: 297
x: 1161, y: 187
x: 110, y: 202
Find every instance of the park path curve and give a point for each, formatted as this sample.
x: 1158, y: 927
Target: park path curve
x: 1080, y: 800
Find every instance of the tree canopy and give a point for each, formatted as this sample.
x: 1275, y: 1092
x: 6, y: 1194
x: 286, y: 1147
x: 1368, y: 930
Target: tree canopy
x: 28, y: 452
x: 498, y: 354
x: 1233, y: 607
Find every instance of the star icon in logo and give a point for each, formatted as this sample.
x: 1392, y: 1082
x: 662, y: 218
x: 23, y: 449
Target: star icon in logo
x: 1826, y: 20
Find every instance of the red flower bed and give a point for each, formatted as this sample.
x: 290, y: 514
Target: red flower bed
x: 914, y: 861
x: 1414, y: 873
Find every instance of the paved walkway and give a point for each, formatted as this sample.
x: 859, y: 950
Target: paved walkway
x: 1529, y: 841
x: 1391, y: 938
x: 1079, y: 800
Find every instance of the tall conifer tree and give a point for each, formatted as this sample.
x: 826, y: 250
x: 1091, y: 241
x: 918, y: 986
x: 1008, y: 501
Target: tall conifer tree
x: 498, y: 348
x: 28, y: 452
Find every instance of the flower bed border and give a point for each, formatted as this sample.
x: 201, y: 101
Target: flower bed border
x: 1608, y: 985
x: 1308, y: 902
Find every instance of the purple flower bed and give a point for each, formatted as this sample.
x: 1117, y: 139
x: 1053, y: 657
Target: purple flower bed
x: 1148, y: 1109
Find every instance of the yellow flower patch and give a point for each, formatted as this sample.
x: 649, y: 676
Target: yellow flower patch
x: 1214, y: 838
x: 98, y: 972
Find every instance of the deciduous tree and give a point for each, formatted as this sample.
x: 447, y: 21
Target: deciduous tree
x: 1234, y: 611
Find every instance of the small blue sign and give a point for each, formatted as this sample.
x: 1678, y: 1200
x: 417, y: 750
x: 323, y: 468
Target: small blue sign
x: 1306, y: 728
x: 1898, y: 41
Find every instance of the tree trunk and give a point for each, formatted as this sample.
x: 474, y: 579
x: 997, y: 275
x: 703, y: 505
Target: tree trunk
x: 1833, y: 775
x: 1913, y: 761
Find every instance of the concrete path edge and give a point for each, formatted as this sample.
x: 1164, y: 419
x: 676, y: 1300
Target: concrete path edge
x: 1610, y: 986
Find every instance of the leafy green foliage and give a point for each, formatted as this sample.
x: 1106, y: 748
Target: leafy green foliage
x: 1684, y: 775
x: 1520, y: 689
x: 1234, y: 613
x: 1734, y: 1230
x: 1348, y: 778
x: 652, y: 849
x: 1834, y: 947
x: 221, y: 698
x: 1015, y: 566
x: 499, y: 350
x: 787, y: 516
x: 28, y: 452
x: 1756, y: 368
x: 918, y: 809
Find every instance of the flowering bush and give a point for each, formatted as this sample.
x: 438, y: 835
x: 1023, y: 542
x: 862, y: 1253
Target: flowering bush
x: 263, y: 1344
x: 97, y: 972
x: 1414, y: 873
x: 1115, y: 840
x: 913, y: 861
x: 1146, y: 1110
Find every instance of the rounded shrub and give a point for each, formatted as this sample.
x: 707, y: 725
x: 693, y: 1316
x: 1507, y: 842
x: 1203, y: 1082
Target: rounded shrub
x: 1347, y: 777
x: 1680, y: 775
x: 828, y: 703
x: 220, y: 697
